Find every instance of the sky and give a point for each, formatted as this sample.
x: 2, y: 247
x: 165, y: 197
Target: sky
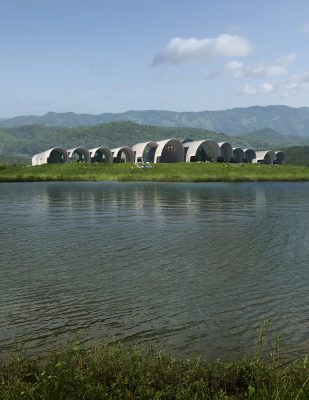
x: 100, y: 56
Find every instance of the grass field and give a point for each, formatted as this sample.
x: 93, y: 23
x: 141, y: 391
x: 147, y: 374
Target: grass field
x: 115, y: 371
x: 181, y: 172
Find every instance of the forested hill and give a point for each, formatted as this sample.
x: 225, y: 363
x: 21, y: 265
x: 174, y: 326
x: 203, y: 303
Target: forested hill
x: 283, y: 119
x: 29, y: 140
x: 297, y: 155
x: 269, y: 139
x: 32, y: 139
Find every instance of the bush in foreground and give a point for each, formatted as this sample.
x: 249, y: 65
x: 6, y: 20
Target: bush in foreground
x: 115, y: 371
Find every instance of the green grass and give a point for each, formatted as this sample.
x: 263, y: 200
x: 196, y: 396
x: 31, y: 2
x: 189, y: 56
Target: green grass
x: 116, y: 371
x: 180, y: 172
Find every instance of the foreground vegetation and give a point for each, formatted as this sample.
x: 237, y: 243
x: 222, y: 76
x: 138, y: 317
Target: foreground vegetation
x: 114, y: 371
x: 181, y: 172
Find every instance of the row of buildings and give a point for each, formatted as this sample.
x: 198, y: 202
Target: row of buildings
x: 164, y: 151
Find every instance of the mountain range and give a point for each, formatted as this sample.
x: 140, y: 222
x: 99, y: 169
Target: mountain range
x: 31, y: 139
x: 236, y: 121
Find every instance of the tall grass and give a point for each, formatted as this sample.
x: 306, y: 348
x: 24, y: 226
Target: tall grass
x: 115, y: 371
x: 180, y: 172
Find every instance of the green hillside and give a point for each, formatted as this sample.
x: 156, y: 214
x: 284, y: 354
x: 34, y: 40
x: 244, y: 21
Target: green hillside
x: 297, y: 155
x: 19, y: 144
x: 268, y: 138
x: 29, y: 140
x: 287, y: 120
x: 32, y: 139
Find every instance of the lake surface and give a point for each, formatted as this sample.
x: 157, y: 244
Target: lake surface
x: 192, y: 268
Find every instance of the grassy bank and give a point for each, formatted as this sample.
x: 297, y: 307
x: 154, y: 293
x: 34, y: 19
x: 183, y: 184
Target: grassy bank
x: 181, y: 172
x: 119, y: 372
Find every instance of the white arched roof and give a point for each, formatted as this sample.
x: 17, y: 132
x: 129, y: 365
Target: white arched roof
x: 169, y: 150
x: 238, y: 154
x: 107, y: 152
x: 250, y: 155
x: 127, y: 150
x: 82, y: 150
x: 265, y: 156
x: 44, y: 157
x: 211, y: 148
x: 140, y: 148
x: 226, y: 150
x: 34, y: 159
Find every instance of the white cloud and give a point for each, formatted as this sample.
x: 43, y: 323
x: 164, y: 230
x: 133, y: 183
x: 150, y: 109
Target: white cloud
x: 277, y: 68
x: 180, y: 50
x: 305, y: 28
x: 262, y: 89
x: 292, y: 86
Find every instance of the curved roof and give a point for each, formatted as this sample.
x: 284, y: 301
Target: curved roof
x: 105, y: 150
x: 139, y: 149
x: 139, y: 146
x: 193, y: 147
x: 129, y: 152
x: 265, y: 155
x: 167, y: 145
x: 42, y: 158
x: 249, y: 151
x: 249, y: 155
x: 33, y: 159
x: 226, y: 147
x: 225, y: 143
x: 238, y: 154
x: 81, y: 149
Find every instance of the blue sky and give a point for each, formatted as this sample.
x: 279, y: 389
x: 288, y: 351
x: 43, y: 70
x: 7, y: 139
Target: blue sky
x: 99, y: 56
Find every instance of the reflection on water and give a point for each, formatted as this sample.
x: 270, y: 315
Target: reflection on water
x: 192, y: 268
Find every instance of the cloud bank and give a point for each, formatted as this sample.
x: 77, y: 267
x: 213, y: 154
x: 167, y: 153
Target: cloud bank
x: 295, y: 85
x: 262, y: 89
x: 180, y: 50
x: 277, y: 68
x: 292, y: 86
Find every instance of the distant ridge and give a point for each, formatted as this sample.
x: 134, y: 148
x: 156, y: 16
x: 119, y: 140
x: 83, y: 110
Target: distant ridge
x: 269, y: 138
x: 236, y: 121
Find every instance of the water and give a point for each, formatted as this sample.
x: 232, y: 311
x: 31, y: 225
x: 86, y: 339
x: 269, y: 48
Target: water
x: 190, y: 268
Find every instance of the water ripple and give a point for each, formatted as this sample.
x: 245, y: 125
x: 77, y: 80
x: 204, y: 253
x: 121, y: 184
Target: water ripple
x: 191, y: 268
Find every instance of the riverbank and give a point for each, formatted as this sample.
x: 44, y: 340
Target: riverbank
x: 180, y: 172
x: 115, y: 371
